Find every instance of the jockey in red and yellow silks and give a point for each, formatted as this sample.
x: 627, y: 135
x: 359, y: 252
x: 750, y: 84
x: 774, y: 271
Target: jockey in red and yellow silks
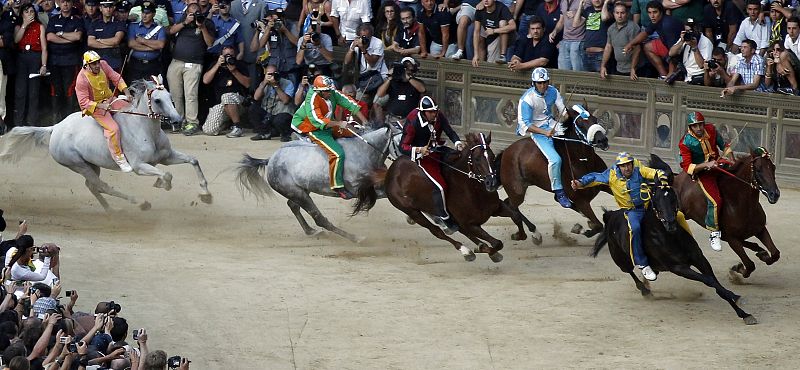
x: 699, y: 153
x: 314, y: 118
x: 92, y: 87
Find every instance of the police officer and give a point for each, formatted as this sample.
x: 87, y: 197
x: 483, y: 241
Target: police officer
x: 229, y: 31
x: 90, y: 13
x: 106, y: 34
x: 147, y: 39
x: 64, y: 38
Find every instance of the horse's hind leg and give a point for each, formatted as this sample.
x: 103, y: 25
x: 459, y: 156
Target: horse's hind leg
x: 304, y: 201
x: 766, y: 239
x: 746, y: 267
x: 640, y: 285
x: 296, y: 210
x: 707, y: 277
x: 474, y: 232
x: 516, y: 215
x: 585, y: 208
x: 176, y: 157
x: 421, y: 220
x: 96, y: 186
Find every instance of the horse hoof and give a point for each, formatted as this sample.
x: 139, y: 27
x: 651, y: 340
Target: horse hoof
x: 536, y: 238
x: 496, y: 257
x: 647, y: 293
x: 764, y: 256
x: 410, y: 220
x: 206, y: 198
x: 313, y: 232
x: 750, y: 320
x: 735, y: 277
x: 358, y: 239
x: 519, y: 236
x: 468, y: 254
x: 145, y: 206
x: 577, y: 229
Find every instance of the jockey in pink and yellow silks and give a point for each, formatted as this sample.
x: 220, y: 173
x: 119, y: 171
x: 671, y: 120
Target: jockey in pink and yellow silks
x: 92, y: 87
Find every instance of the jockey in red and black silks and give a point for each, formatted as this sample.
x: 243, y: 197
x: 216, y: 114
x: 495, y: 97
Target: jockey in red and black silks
x: 699, y: 149
x: 422, y: 142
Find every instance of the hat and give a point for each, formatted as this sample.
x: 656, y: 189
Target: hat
x: 409, y: 60
x: 91, y: 2
x: 106, y: 2
x: 623, y: 158
x: 148, y: 6
x: 123, y: 6
x: 323, y: 83
x: 427, y: 104
x: 43, y: 304
x: 540, y: 75
x: 694, y: 118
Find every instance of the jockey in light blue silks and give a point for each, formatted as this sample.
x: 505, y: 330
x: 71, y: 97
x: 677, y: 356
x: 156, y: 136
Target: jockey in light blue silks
x: 535, y: 118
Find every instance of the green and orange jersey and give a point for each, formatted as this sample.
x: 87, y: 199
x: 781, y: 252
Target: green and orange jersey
x: 316, y: 112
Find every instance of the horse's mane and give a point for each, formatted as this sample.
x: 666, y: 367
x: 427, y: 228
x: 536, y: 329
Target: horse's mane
x: 138, y: 89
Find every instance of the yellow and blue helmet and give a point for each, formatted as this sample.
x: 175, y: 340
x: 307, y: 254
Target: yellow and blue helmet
x: 623, y: 158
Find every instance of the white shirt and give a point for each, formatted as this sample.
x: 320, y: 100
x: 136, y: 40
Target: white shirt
x: 705, y: 47
x: 755, y: 31
x: 375, y: 48
x: 351, y: 14
x: 794, y: 46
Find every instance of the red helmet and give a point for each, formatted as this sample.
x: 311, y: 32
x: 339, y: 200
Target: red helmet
x: 323, y: 83
x: 694, y: 118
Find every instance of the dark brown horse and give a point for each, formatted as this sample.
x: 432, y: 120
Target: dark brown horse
x: 522, y: 164
x: 741, y: 215
x: 471, y: 196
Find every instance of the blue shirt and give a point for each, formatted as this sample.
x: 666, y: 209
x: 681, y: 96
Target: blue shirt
x: 275, y: 4
x: 106, y: 30
x: 64, y: 54
x: 223, y: 27
x: 138, y: 29
x: 178, y: 8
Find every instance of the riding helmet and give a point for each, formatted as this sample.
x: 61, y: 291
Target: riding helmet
x: 323, y: 83
x: 540, y: 74
x: 623, y: 158
x: 90, y: 56
x: 694, y: 117
x: 427, y: 104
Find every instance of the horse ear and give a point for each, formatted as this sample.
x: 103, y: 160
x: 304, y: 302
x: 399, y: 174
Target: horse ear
x: 489, y: 139
x: 586, y: 105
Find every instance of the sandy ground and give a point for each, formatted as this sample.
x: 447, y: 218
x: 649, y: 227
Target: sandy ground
x: 236, y: 285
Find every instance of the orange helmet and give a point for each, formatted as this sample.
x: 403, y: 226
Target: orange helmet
x: 323, y: 83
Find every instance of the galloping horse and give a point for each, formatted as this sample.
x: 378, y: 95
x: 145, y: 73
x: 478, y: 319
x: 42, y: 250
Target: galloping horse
x: 741, y: 215
x: 471, y: 199
x: 668, y: 246
x: 522, y: 164
x: 300, y: 167
x: 78, y: 143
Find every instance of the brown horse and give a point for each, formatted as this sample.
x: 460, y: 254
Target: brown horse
x: 522, y: 164
x: 741, y: 215
x: 471, y: 196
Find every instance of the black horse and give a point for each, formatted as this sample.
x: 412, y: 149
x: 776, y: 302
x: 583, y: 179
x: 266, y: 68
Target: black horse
x: 668, y: 246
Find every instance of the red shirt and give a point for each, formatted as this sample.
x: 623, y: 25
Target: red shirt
x: 31, y: 37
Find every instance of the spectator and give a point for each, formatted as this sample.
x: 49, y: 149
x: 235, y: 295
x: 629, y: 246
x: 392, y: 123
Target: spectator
x: 106, y: 35
x: 348, y: 16
x: 792, y: 40
x: 279, y: 42
x: 619, y: 35
x: 193, y: 36
x: 273, y: 116
x: 228, y: 31
x: 229, y: 80
x: 146, y: 39
x: 19, y: 363
x: 64, y: 34
x: 493, y: 26
x: 302, y: 89
x: 315, y: 49
x: 91, y: 12
x: 719, y: 72
x: 161, y: 14
x: 534, y: 50
x: 464, y: 18
x: 749, y: 70
x: 408, y: 41
x: 720, y: 21
x: 684, y: 10
x: 319, y: 11
x: 776, y: 17
x: 367, y: 51
x: 570, y: 48
x: 387, y: 23
x: 123, y: 9
x: 47, y: 9
x: 6, y: 66
x: 247, y: 12
x: 667, y: 30
x: 693, y: 48
x: 20, y: 260
x: 400, y: 93
x: 779, y: 74
x: 437, y: 30
x: 29, y: 37
x: 527, y: 9
x: 595, y: 19
x: 342, y: 114
x: 755, y: 27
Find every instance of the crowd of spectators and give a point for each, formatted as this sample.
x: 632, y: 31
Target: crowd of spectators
x: 41, y: 326
x: 232, y: 64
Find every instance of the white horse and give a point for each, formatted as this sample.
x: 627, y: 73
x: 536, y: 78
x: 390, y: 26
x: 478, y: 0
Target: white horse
x: 78, y: 143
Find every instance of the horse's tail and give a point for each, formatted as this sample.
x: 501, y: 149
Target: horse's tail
x: 250, y: 177
x: 602, y: 239
x: 367, y: 196
x: 21, y: 140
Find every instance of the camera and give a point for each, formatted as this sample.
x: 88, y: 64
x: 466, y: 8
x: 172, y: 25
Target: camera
x: 229, y: 59
x: 277, y: 25
x: 689, y: 36
x: 174, y: 362
x: 135, y: 334
x: 63, y: 340
x: 199, y: 16
x: 261, y: 23
x: 106, y: 307
x: 679, y: 71
x: 712, y: 64
x: 312, y: 69
x: 398, y: 71
x: 365, y: 41
x: 73, y: 347
x: 315, y: 13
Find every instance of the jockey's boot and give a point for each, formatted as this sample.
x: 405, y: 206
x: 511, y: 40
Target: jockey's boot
x: 562, y: 199
x: 123, y: 164
x: 343, y: 193
x: 716, y: 240
x: 648, y: 273
x: 446, y: 224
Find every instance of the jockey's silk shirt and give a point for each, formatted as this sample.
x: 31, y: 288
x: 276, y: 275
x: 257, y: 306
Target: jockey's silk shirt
x: 94, y: 88
x: 536, y: 109
x: 316, y: 112
x: 627, y: 192
x: 695, y: 150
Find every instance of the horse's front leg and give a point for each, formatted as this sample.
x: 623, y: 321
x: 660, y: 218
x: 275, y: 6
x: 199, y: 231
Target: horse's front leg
x: 176, y: 157
x: 766, y: 239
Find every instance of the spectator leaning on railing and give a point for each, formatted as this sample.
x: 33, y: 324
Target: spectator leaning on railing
x: 750, y: 70
x: 436, y: 23
x: 410, y: 39
x: 667, y: 29
x: 692, y: 49
x: 619, y: 35
x: 720, y: 68
x: 535, y: 50
x: 596, y: 19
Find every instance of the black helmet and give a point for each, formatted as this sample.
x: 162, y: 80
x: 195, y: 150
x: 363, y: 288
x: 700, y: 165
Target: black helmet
x: 427, y: 104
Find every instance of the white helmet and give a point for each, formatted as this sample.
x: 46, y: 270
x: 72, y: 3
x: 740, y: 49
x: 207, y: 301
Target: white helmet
x: 540, y: 75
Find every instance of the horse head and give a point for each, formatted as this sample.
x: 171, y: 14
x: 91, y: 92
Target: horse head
x: 480, y: 158
x: 587, y: 128
x: 763, y: 174
x: 664, y: 202
x: 151, y: 98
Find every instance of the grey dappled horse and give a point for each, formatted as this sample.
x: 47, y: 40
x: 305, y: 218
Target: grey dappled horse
x: 78, y: 143
x: 299, y: 168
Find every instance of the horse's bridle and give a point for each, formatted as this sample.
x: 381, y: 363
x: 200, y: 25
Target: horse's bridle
x: 754, y: 182
x: 472, y: 174
x: 152, y: 114
x: 583, y: 138
x: 645, y: 189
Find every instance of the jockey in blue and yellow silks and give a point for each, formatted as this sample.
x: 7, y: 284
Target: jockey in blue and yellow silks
x: 625, y: 179
x: 535, y: 118
x: 314, y: 118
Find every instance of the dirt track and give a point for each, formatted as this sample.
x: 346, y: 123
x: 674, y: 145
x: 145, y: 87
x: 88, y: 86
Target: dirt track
x: 236, y: 285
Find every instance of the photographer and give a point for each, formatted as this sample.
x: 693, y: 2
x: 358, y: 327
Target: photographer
x: 278, y: 41
x: 273, y: 115
x: 693, y: 48
x: 400, y: 93
x: 20, y: 261
x: 315, y: 48
x: 194, y: 34
x: 367, y: 51
x: 228, y: 30
x: 305, y: 85
x: 720, y: 68
x: 229, y: 78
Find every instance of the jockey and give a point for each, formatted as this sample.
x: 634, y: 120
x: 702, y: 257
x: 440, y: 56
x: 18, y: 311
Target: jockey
x: 95, y: 97
x: 314, y: 118
x: 700, y: 153
x: 625, y: 180
x: 536, y: 119
x: 422, y: 142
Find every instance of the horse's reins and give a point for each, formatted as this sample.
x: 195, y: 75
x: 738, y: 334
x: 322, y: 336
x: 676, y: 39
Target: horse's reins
x: 471, y: 174
x: 152, y: 114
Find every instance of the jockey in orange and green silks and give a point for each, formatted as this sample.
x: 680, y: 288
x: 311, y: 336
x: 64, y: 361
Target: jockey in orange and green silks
x: 314, y: 118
